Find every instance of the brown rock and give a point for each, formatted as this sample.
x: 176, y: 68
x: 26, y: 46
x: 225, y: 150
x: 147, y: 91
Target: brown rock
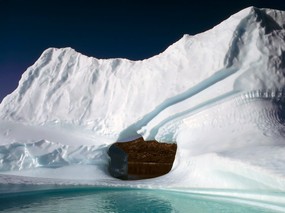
x: 147, y: 159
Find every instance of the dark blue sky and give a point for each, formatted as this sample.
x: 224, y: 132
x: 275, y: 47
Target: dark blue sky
x: 103, y: 29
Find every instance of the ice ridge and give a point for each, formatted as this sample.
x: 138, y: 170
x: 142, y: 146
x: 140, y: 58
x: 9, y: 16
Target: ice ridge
x: 46, y: 154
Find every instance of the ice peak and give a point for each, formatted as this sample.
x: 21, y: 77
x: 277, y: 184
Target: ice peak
x: 53, y: 50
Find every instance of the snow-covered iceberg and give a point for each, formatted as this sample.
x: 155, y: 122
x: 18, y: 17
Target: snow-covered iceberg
x: 220, y: 95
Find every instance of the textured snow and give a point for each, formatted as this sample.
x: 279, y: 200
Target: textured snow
x: 220, y: 95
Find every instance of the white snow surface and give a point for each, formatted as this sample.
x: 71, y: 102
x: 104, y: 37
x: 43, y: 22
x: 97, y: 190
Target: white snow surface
x: 220, y: 95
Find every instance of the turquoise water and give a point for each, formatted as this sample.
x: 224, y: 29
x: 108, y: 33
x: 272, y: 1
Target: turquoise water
x: 101, y: 200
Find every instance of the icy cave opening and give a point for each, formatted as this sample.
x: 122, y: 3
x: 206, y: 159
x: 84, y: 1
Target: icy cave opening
x: 139, y: 159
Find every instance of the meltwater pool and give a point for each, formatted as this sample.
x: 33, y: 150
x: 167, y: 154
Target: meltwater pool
x: 107, y: 200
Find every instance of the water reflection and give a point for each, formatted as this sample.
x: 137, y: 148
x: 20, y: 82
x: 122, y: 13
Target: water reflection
x: 117, y: 200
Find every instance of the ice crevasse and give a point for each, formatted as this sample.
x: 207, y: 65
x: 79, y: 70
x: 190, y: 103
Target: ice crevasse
x: 220, y: 95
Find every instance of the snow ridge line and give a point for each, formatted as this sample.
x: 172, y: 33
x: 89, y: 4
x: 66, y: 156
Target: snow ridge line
x: 231, y: 98
x: 215, y: 78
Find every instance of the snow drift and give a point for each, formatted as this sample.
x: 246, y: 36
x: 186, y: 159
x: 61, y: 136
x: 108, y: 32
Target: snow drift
x: 219, y: 94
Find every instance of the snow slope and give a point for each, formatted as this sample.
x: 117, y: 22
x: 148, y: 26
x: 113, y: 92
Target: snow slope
x: 219, y: 95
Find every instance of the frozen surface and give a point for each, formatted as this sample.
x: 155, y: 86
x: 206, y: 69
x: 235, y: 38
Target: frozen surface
x: 219, y: 95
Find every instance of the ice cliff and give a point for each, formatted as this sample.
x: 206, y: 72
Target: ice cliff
x: 116, y: 97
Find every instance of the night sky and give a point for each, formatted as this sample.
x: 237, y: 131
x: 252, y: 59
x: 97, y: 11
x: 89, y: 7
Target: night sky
x: 103, y: 29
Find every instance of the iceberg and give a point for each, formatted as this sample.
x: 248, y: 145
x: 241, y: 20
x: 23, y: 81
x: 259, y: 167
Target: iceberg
x: 220, y: 95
